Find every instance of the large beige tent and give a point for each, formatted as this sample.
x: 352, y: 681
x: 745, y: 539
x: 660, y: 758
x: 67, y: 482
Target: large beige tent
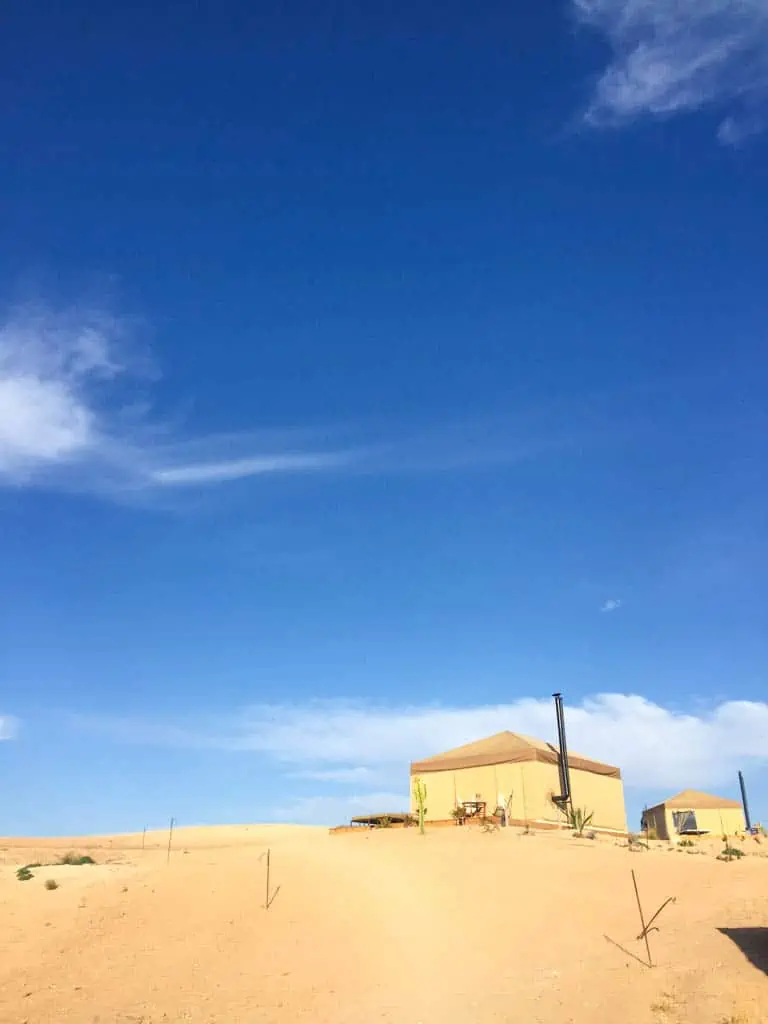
x: 692, y: 812
x: 520, y: 774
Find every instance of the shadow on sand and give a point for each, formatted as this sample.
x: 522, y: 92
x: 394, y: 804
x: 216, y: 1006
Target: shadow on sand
x: 753, y: 943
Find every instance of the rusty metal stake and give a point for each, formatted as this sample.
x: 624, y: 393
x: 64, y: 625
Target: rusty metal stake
x: 644, y: 933
x: 647, y: 929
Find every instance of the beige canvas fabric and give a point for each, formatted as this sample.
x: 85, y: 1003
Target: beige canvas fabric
x: 693, y: 799
x: 507, y: 748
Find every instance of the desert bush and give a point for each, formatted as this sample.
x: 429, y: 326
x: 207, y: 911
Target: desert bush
x: 686, y: 842
x: 579, y: 818
x: 51, y: 883
x: 76, y: 859
x: 731, y: 853
x: 24, y: 874
x: 385, y: 822
x: 635, y: 842
x: 408, y: 820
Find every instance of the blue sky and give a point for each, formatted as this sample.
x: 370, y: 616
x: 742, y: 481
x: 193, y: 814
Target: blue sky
x: 365, y: 377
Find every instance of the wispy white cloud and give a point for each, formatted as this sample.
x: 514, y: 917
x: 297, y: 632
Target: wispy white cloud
x: 71, y: 383
x: 654, y: 746
x: 611, y: 605
x: 330, y: 810
x: 9, y: 727
x: 238, y: 469
x: 673, y: 56
x: 343, y: 775
x: 51, y: 368
x: 76, y: 413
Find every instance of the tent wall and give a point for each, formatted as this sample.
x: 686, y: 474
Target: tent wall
x: 657, y: 819
x: 716, y: 821
x: 528, y: 788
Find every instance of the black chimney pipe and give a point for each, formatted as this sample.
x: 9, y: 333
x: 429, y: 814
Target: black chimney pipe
x: 565, y: 774
x: 744, y: 802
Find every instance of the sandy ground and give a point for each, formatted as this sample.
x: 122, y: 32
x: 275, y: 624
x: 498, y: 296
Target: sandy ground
x: 455, y: 927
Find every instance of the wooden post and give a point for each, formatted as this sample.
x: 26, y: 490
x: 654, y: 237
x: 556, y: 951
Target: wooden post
x: 170, y: 837
x: 143, y: 837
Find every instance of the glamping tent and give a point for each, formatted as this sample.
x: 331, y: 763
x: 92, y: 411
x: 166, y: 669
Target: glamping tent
x: 521, y: 775
x: 693, y: 813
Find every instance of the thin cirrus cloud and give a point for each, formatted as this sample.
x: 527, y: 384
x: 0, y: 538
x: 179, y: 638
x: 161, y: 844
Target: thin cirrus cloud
x: 611, y: 605
x: 9, y: 727
x: 675, y: 56
x: 73, y: 415
x: 76, y: 414
x: 339, y: 742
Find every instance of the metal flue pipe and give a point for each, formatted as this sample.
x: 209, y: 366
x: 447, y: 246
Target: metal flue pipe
x: 744, y: 802
x: 565, y: 774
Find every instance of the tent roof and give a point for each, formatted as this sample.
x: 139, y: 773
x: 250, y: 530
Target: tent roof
x: 694, y: 799
x: 506, y: 748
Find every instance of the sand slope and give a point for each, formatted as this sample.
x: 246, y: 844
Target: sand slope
x: 456, y: 926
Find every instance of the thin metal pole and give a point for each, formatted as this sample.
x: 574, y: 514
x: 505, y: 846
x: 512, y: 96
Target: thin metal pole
x: 266, y: 902
x: 170, y: 837
x: 143, y: 837
x: 744, y: 802
x: 642, y: 920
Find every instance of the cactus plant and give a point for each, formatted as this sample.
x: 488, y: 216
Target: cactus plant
x: 420, y: 796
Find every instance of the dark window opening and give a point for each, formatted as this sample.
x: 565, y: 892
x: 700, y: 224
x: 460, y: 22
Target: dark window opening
x: 684, y: 821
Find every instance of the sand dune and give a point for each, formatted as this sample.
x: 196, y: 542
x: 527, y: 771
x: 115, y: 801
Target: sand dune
x: 456, y: 926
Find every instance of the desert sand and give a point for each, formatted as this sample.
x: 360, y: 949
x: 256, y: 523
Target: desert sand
x: 457, y: 926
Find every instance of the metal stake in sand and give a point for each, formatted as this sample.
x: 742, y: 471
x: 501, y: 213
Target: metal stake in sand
x: 644, y: 932
x: 170, y: 837
x: 266, y: 901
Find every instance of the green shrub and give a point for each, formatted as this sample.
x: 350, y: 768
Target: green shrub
x: 385, y: 822
x: 686, y: 842
x: 731, y: 853
x: 579, y: 818
x: 24, y: 874
x: 76, y: 859
x: 51, y: 883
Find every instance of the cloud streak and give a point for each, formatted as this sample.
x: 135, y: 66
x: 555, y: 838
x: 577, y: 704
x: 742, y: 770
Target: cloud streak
x: 676, y: 56
x: 70, y: 386
x: 9, y: 727
x: 611, y: 605
x: 654, y: 746
x: 75, y: 415
x: 239, y: 469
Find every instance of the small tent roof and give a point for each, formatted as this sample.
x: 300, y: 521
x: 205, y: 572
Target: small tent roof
x: 506, y: 748
x: 695, y: 800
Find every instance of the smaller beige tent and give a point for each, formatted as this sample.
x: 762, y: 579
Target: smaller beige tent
x: 694, y: 813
